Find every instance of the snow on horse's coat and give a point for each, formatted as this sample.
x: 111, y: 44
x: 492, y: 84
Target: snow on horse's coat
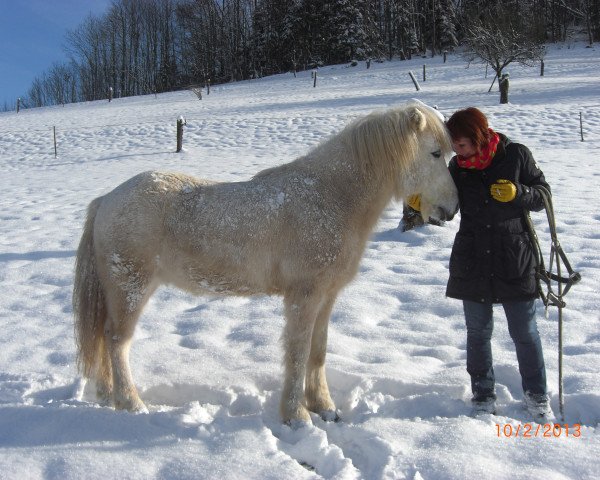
x: 296, y: 230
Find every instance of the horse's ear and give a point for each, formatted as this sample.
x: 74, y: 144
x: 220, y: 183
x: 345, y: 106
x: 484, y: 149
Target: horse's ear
x: 417, y: 118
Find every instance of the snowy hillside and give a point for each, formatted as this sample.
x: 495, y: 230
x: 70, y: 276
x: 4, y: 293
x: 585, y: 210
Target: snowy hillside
x: 209, y: 369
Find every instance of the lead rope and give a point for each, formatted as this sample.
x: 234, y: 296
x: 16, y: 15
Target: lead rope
x: 550, y: 298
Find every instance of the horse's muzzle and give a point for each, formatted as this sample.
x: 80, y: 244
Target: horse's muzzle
x: 445, y: 215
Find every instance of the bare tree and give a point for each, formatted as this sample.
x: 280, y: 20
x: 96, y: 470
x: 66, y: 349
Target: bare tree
x: 145, y: 46
x: 499, y: 47
x: 590, y: 11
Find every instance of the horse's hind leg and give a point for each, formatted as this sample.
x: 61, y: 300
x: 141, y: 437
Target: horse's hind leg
x: 301, y: 309
x: 103, y: 376
x: 118, y: 338
x: 126, y: 299
x: 318, y: 399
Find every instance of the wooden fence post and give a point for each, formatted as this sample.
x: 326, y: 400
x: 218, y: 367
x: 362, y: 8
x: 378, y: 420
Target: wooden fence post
x: 55, y: 150
x: 542, y: 69
x: 110, y: 94
x: 18, y: 104
x: 414, y: 81
x: 424, y: 74
x: 180, y: 123
x: 504, y: 84
x: 314, y: 78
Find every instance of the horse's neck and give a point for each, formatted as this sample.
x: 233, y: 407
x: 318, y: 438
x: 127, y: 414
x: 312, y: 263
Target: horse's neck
x: 364, y: 195
x: 374, y: 202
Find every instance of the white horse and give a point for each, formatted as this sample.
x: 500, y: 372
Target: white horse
x: 296, y: 230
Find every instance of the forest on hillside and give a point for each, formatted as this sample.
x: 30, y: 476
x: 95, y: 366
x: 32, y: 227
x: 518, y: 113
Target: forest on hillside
x: 151, y: 46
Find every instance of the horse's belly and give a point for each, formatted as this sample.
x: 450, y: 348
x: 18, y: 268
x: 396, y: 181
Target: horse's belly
x: 218, y: 286
x: 213, y: 278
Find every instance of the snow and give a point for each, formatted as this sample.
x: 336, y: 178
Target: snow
x: 209, y: 369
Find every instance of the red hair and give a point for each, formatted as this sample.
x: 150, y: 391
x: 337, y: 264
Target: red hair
x: 469, y: 123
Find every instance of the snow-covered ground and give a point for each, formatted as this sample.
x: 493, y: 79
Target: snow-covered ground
x: 209, y: 369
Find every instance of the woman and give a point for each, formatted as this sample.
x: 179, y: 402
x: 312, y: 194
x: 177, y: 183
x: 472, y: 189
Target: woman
x: 492, y: 257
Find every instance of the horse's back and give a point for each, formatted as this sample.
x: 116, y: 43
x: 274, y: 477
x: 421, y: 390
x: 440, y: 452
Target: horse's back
x: 181, y: 230
x: 130, y: 219
x: 257, y: 236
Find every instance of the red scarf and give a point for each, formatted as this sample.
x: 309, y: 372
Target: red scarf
x: 482, y: 159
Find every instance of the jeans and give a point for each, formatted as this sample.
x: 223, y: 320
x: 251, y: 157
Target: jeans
x: 524, y: 333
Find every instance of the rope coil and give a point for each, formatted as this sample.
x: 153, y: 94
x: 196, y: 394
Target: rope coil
x: 557, y: 254
x: 550, y: 297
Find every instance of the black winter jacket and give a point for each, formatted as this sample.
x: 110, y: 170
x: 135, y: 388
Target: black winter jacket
x: 492, y: 258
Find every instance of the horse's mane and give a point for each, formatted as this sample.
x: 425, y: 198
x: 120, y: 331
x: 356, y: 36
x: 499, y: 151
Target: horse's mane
x: 387, y: 142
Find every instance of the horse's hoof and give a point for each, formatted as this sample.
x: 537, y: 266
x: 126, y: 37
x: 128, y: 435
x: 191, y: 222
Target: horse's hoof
x: 330, y: 415
x: 296, y: 424
x: 104, y: 399
x: 133, y: 406
x: 142, y: 409
x: 293, y: 413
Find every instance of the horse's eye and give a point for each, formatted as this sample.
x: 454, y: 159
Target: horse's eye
x: 437, y: 153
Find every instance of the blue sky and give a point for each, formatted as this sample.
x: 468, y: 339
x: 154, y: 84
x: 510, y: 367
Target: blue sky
x: 32, y: 35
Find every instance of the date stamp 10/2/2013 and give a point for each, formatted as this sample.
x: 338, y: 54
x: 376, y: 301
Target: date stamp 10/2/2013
x: 536, y: 430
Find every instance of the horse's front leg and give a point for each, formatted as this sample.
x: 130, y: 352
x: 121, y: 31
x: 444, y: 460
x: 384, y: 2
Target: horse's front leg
x: 301, y: 308
x: 318, y: 399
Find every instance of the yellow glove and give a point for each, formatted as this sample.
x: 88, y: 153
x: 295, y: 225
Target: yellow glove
x: 503, y: 190
x: 414, y: 202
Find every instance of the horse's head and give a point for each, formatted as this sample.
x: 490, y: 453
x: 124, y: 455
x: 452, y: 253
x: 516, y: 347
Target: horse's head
x: 430, y: 177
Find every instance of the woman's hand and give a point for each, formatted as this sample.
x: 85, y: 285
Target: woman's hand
x: 414, y: 202
x: 503, y: 190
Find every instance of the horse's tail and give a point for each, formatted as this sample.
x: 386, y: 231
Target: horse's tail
x: 89, y: 305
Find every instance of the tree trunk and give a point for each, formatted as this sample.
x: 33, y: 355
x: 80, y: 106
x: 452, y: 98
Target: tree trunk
x: 504, y: 84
